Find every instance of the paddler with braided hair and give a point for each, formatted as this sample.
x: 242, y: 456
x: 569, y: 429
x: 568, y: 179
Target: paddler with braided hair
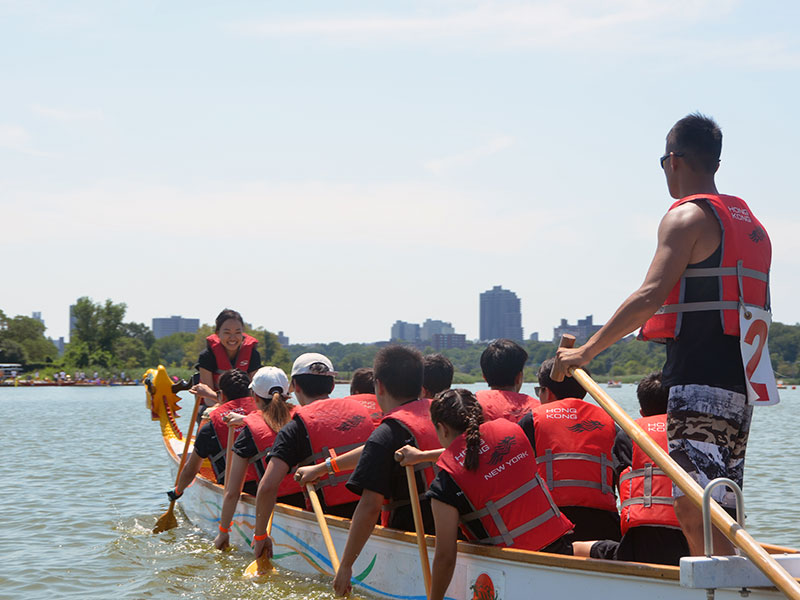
x: 706, y: 295
x: 487, y: 475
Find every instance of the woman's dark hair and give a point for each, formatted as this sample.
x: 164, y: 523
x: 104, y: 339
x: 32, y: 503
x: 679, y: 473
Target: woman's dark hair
x: 363, y: 382
x: 460, y: 411
x: 224, y: 316
x: 276, y: 411
x: 235, y: 384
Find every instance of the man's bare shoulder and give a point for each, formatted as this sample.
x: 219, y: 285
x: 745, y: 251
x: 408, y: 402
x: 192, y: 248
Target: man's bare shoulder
x: 694, y: 224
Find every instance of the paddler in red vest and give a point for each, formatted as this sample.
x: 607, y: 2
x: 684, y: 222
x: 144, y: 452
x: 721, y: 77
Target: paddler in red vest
x: 270, y: 390
x: 362, y: 388
x: 487, y: 477
x: 229, y: 347
x: 378, y: 478
x: 321, y: 429
x: 437, y: 376
x: 502, y: 364
x: 212, y: 438
x: 650, y: 530
x: 574, y: 441
x: 710, y: 277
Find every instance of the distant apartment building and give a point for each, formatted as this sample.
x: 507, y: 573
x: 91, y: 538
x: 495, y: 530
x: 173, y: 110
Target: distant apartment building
x: 59, y: 344
x: 282, y: 339
x: 407, y: 332
x: 534, y: 336
x: 164, y: 326
x: 500, y: 315
x: 582, y: 331
x: 72, y: 320
x: 432, y: 327
x: 445, y: 341
x: 38, y: 316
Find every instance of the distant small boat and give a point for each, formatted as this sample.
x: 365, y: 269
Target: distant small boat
x: 614, y: 384
x: 781, y: 385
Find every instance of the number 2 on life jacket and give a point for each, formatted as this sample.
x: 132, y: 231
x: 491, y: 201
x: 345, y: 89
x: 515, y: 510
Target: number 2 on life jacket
x: 754, y: 329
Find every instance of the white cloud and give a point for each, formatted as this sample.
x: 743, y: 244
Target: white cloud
x: 17, y: 139
x: 493, y: 146
x: 60, y: 114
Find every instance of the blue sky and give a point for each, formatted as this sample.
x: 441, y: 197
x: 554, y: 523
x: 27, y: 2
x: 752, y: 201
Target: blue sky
x: 327, y: 168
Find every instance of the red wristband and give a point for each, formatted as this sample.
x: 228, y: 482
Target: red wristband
x: 260, y: 538
x: 224, y: 530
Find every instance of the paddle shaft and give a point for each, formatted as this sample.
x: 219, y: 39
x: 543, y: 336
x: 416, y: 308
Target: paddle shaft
x: 229, y: 452
x: 188, y: 441
x: 323, y: 526
x: 721, y: 519
x: 417, y: 512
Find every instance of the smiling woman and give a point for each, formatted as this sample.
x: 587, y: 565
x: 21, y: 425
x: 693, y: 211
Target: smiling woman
x: 229, y: 347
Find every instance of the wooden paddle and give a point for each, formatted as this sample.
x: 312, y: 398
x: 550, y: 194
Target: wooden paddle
x: 229, y: 451
x: 417, y: 512
x: 721, y: 519
x: 323, y: 526
x: 261, y: 565
x: 168, y: 520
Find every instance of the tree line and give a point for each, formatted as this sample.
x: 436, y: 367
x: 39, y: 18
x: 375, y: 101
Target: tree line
x: 103, y: 342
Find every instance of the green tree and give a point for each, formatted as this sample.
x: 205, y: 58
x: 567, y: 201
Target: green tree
x: 12, y: 352
x: 170, y: 351
x: 98, y: 325
x: 29, y: 333
x: 139, y: 331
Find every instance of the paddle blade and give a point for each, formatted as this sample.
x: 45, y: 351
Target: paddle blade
x: 259, y: 567
x: 167, y: 520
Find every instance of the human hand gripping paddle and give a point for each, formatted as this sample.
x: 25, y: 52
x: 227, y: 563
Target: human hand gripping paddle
x: 261, y: 565
x: 418, y: 526
x: 168, y: 520
x: 721, y: 519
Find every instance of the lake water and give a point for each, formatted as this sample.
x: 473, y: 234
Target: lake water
x: 83, y: 480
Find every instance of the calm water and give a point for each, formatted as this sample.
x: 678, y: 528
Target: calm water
x: 83, y: 479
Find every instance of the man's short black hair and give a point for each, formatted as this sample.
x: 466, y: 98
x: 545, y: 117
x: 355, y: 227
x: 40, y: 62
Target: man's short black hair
x: 438, y: 373
x: 652, y: 395
x: 699, y: 139
x: 400, y: 370
x: 502, y: 361
x: 362, y: 382
x: 234, y: 384
x: 569, y: 388
x: 314, y: 386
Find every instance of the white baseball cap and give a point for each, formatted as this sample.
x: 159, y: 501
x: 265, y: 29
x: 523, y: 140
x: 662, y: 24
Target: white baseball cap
x: 268, y: 378
x: 304, y: 363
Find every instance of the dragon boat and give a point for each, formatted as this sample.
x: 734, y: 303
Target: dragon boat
x: 389, y: 565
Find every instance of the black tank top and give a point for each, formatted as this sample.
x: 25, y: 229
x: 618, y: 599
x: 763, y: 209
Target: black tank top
x: 702, y: 354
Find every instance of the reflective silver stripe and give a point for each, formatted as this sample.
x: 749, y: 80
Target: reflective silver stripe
x: 218, y: 456
x: 325, y: 452
x: 518, y: 531
x: 508, y: 498
x: 330, y: 481
x: 643, y: 501
x: 723, y: 271
x: 604, y: 486
x: 698, y: 306
x: 639, y: 473
x: 648, y: 484
x: 260, y: 455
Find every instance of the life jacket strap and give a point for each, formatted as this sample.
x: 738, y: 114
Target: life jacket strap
x: 604, y: 486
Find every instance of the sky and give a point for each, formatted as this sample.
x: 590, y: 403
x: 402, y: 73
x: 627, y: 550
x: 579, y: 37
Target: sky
x: 327, y: 168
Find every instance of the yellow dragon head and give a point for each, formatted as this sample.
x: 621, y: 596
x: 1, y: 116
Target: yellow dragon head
x: 162, y: 400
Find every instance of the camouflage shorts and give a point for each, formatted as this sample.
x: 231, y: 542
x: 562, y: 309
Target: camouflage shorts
x: 707, y: 429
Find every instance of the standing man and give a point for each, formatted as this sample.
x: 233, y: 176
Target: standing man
x: 704, y: 240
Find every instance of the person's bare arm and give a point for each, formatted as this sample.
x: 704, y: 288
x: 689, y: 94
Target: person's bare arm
x: 313, y: 473
x: 265, y: 503
x: 677, y: 235
x: 410, y: 455
x: 233, y: 489
x: 445, y: 518
x: 190, y: 470
x: 207, y: 377
x: 364, y: 519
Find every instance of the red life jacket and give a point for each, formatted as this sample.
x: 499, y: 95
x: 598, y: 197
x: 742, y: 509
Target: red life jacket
x: 338, y: 424
x: 574, y: 440
x: 370, y: 402
x: 498, y: 404
x: 743, y: 272
x: 415, y: 418
x: 242, y: 360
x: 264, y: 437
x: 242, y: 406
x: 645, y: 492
x: 514, y: 508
